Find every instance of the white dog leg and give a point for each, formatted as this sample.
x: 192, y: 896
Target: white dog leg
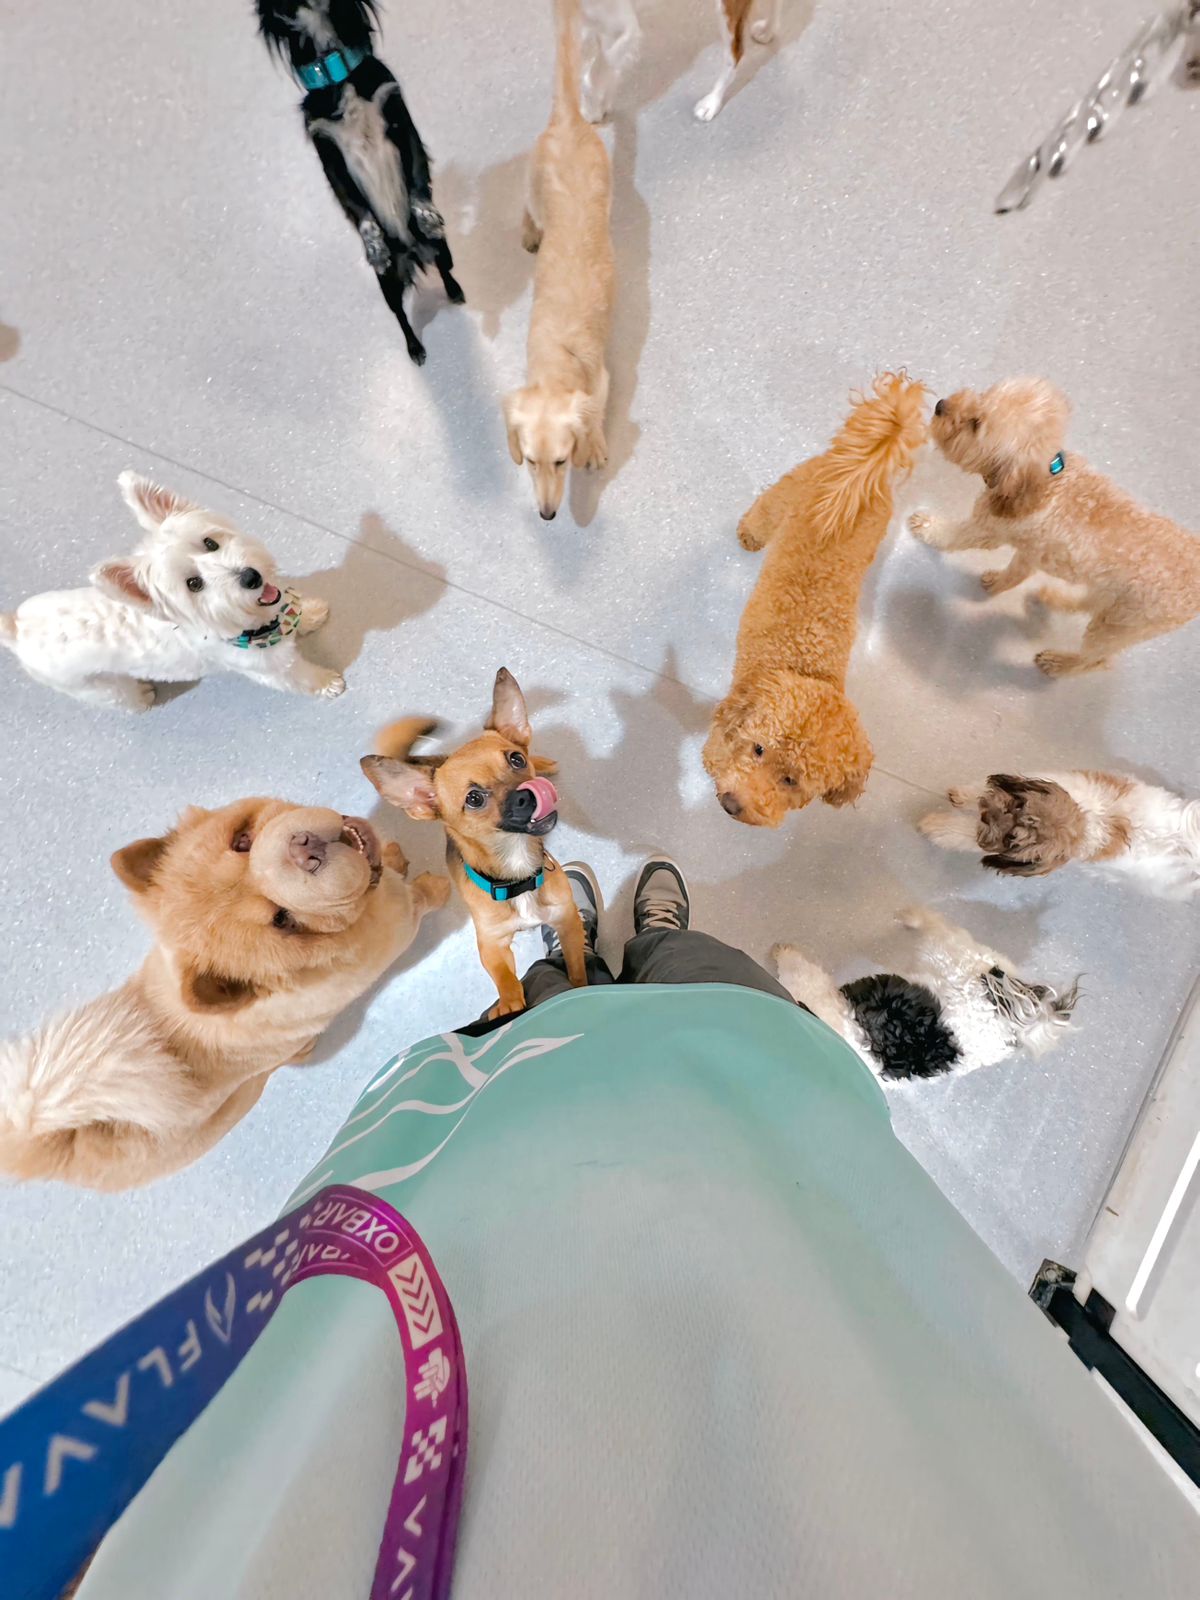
x: 952, y: 830
x: 113, y: 692
x: 295, y: 674
x: 314, y: 614
x: 707, y: 108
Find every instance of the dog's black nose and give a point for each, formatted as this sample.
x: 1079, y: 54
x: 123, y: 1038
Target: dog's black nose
x: 940, y: 408
x: 250, y: 578
x: 520, y: 805
x: 546, y: 516
x: 731, y: 803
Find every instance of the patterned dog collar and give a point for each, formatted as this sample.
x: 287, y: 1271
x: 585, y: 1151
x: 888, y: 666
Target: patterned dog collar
x: 498, y: 889
x: 329, y: 70
x: 287, y: 620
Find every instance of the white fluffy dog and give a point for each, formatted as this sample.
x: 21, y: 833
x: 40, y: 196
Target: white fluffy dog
x: 959, y: 1009
x: 1118, y: 826
x: 196, y: 597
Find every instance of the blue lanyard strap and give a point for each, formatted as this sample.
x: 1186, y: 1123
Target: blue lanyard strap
x: 329, y: 70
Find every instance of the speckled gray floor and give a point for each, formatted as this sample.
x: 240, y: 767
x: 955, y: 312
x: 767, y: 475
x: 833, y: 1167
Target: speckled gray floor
x: 182, y: 297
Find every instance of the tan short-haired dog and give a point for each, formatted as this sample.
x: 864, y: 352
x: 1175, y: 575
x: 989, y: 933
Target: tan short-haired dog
x: 270, y: 919
x: 1139, y: 572
x: 557, y: 419
x: 496, y: 802
x: 786, y: 733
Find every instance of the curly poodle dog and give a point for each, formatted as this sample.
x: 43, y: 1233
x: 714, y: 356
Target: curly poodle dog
x: 1138, y: 572
x: 785, y: 733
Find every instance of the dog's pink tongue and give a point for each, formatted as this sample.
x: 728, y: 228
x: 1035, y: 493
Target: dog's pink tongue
x: 545, y: 794
x: 269, y: 595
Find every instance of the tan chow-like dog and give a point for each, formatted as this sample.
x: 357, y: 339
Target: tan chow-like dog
x: 786, y: 733
x: 496, y: 802
x: 1138, y: 573
x: 270, y: 919
x: 557, y: 419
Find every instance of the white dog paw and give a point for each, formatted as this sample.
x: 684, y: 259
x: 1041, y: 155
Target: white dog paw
x: 763, y: 31
x: 314, y: 614
x: 428, y: 218
x: 705, y: 110
x: 959, y: 797
x: 919, y: 523
x: 333, y: 686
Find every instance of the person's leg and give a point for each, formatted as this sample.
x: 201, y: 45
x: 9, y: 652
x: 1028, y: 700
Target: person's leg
x: 664, y: 949
x: 548, y: 977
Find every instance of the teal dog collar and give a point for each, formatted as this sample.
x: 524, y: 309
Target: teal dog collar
x: 287, y: 620
x: 499, y: 889
x: 1057, y: 465
x: 329, y: 70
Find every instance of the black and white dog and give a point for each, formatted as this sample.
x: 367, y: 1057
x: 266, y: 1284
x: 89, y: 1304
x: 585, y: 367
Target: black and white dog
x: 369, y: 147
x: 960, y: 1008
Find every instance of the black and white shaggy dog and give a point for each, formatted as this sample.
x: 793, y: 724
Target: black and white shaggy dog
x: 960, y: 1008
x: 369, y: 147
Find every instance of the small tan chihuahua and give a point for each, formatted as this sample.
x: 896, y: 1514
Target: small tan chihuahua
x: 497, y: 804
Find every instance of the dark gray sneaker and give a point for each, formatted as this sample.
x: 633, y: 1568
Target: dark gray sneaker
x: 661, y: 897
x: 586, y: 892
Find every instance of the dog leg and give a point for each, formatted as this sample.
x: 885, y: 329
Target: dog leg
x: 500, y: 967
x: 1102, y: 639
x: 444, y: 263
x: 765, y: 29
x: 734, y: 14
x: 942, y: 535
x: 114, y: 693
x: 430, y: 891
x: 569, y: 928
x: 394, y: 858
x: 295, y: 673
x: 999, y: 581
x: 531, y: 233
x: 757, y: 525
x: 1058, y: 600
x: 314, y: 614
x: 393, y: 288
x: 951, y: 830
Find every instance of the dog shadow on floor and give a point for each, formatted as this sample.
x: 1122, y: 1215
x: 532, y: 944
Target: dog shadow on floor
x: 631, y: 320
x: 10, y: 341
x: 483, y: 214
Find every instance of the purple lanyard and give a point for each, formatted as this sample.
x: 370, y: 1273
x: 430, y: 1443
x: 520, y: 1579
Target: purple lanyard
x: 75, y: 1454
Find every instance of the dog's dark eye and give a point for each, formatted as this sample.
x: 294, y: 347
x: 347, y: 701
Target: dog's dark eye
x: 195, y: 583
x: 974, y: 424
x: 475, y: 799
x: 561, y: 463
x: 516, y: 759
x: 241, y: 842
x: 211, y: 544
x: 758, y: 750
x: 789, y: 782
x: 283, y: 919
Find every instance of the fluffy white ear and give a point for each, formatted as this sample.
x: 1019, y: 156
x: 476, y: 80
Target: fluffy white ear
x: 120, y: 580
x: 150, y: 503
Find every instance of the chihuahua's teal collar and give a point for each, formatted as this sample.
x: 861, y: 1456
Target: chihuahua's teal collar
x: 1057, y: 465
x: 287, y: 620
x: 500, y: 888
x: 329, y: 70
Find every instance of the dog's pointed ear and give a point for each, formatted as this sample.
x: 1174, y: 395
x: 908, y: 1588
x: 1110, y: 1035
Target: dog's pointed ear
x: 138, y: 862
x: 122, y: 581
x: 212, y: 991
x: 512, y: 422
x: 545, y: 766
x: 508, y: 716
x: 404, y: 784
x: 150, y: 503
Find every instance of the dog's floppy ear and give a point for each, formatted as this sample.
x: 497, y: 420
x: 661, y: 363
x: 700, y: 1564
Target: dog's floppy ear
x: 137, y: 863
x: 545, y: 765
x: 508, y: 716
x: 121, y: 580
x: 853, y: 754
x: 150, y: 503
x: 212, y: 991
x: 403, y: 784
x: 513, y: 408
x: 1017, y: 487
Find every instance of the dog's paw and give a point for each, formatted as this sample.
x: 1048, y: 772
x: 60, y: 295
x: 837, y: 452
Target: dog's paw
x: 991, y: 580
x: 780, y: 953
x: 434, y: 887
x: 596, y: 456
x: 143, y: 696
x: 1055, y: 663
x: 705, y: 110
x: 392, y: 856
x: 959, y: 797
x: 920, y: 523
x: 332, y: 686
x: 314, y: 614
x: 506, y: 1008
x: 428, y: 218
x: 763, y: 30
x: 374, y: 244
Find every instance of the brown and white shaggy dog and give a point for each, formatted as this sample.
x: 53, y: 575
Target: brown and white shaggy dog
x: 270, y: 919
x: 1139, y: 572
x: 786, y: 733
x: 557, y: 419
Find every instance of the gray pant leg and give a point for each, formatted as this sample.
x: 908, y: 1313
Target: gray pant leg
x: 674, y: 955
x: 548, y: 978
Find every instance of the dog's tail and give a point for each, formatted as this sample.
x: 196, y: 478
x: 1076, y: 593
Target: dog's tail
x: 566, y: 63
x: 397, y: 739
x: 77, y: 1101
x: 873, y: 448
x: 8, y: 629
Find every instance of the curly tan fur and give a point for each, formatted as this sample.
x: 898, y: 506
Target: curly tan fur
x: 1139, y: 572
x: 786, y: 734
